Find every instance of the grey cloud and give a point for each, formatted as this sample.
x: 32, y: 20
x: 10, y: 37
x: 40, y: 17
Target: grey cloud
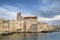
x: 54, y: 22
x: 49, y: 11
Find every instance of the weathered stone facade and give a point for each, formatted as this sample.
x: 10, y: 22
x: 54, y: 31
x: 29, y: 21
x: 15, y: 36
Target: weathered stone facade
x: 23, y: 24
x: 30, y: 21
x: 16, y: 26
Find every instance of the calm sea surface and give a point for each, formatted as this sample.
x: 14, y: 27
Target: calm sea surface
x: 32, y: 36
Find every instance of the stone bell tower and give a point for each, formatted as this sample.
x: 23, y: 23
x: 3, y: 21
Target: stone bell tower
x: 19, y: 16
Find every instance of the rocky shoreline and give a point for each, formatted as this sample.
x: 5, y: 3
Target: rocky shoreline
x: 10, y: 33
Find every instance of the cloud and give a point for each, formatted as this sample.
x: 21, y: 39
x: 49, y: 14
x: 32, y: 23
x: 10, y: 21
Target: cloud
x: 50, y: 10
x: 53, y: 20
x: 46, y: 10
x: 7, y: 13
x: 44, y: 1
x: 57, y: 17
x: 10, y: 12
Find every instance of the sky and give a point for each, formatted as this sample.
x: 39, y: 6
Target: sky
x: 46, y: 10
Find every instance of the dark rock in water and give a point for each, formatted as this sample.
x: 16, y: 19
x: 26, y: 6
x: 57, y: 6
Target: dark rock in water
x: 46, y: 31
x: 7, y: 34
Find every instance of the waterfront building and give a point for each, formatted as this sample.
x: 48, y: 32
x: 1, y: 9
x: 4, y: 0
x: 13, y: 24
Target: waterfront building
x: 1, y: 22
x: 23, y: 24
x: 42, y: 26
x: 4, y: 25
x: 16, y: 26
x: 31, y: 23
x: 1, y: 29
x: 19, y: 16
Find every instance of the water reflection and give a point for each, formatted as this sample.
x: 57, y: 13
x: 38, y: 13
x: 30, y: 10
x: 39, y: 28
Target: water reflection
x: 21, y: 36
x: 32, y: 36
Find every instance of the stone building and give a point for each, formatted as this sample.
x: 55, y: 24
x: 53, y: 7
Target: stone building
x: 23, y: 24
x: 17, y: 26
x: 45, y: 27
x: 4, y: 25
x: 1, y: 22
x: 31, y: 23
x: 22, y: 20
x: 20, y: 17
x: 1, y: 29
x: 42, y: 26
